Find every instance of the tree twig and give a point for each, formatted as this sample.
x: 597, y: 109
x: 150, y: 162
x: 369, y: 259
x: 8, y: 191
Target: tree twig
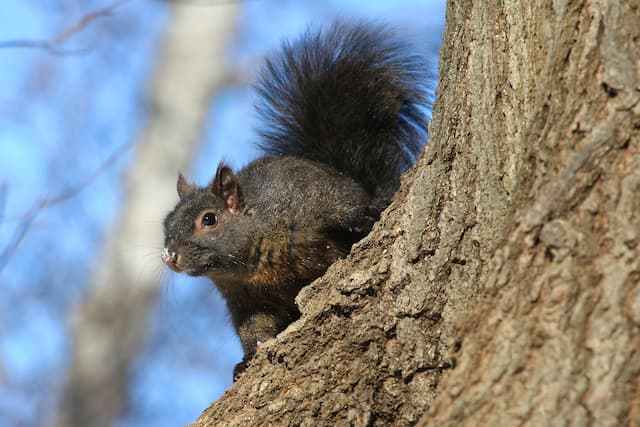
x: 64, y: 195
x: 54, y: 46
x: 27, y: 218
x: 86, y: 20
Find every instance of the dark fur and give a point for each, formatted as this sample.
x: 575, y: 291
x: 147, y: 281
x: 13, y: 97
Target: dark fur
x: 352, y: 97
x: 343, y: 118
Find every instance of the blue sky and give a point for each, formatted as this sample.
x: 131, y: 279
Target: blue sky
x: 52, y: 133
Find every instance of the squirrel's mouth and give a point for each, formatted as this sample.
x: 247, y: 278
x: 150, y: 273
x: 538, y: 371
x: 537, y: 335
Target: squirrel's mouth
x: 173, y: 259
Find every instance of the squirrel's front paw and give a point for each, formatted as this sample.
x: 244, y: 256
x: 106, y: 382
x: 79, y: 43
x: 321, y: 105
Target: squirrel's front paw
x: 239, y: 369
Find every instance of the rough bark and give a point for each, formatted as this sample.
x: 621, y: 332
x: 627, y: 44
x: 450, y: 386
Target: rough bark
x: 555, y: 339
x: 508, y: 261
x: 110, y: 325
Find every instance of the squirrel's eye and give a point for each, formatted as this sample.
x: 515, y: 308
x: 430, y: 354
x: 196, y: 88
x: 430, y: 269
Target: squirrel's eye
x: 209, y: 219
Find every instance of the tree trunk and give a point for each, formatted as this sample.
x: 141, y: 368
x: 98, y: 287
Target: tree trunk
x: 555, y: 339
x: 501, y: 287
x: 111, y: 324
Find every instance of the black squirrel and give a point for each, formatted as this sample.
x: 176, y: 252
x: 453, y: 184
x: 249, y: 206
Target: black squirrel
x: 343, y: 114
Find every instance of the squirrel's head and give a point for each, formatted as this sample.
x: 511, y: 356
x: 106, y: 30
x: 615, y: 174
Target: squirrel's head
x: 202, y: 235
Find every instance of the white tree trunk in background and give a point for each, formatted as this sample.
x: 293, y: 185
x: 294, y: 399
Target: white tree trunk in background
x: 110, y: 325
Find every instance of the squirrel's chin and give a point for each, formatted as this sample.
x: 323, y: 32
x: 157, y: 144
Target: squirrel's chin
x: 194, y: 272
x: 190, y: 271
x: 173, y: 268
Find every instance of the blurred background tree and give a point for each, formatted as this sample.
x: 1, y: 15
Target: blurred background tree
x: 101, y: 104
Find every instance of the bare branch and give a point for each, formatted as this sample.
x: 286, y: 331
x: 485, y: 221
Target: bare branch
x: 86, y: 20
x: 3, y: 199
x: 54, y: 46
x: 18, y: 236
x: 72, y: 191
x: 26, y: 219
x: 47, y: 202
x: 41, y: 44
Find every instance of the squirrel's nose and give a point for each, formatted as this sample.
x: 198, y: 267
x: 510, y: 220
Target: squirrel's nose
x: 169, y: 257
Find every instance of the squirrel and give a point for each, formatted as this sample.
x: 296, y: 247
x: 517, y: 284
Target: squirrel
x: 343, y: 115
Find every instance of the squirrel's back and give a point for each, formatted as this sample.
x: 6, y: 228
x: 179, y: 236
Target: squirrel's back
x: 352, y: 97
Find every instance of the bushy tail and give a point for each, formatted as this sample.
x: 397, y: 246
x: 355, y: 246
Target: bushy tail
x: 352, y: 97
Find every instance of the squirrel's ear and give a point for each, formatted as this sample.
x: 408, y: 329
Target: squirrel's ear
x: 184, y: 188
x: 225, y: 185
